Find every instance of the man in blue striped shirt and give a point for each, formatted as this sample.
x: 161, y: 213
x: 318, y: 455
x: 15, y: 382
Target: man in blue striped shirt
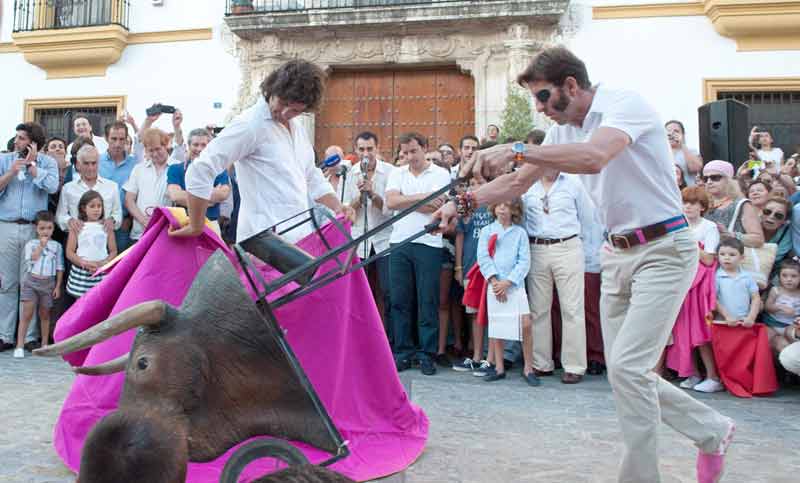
x: 26, y: 179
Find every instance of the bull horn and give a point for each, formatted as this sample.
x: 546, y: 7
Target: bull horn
x: 147, y: 313
x: 111, y: 367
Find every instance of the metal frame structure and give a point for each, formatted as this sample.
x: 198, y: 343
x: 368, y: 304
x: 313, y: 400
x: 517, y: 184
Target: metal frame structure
x: 263, y: 289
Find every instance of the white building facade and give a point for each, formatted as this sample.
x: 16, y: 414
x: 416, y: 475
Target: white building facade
x: 208, y: 57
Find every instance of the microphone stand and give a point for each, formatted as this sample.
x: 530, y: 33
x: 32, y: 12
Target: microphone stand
x: 343, y: 174
x: 364, y: 201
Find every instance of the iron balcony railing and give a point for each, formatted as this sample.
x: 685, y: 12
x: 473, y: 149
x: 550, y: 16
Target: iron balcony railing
x: 32, y: 15
x: 243, y: 7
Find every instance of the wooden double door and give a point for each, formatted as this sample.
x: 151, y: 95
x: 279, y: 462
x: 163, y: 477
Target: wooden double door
x: 439, y: 103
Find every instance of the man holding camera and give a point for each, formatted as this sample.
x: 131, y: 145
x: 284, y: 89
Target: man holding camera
x: 27, y: 177
x: 273, y: 156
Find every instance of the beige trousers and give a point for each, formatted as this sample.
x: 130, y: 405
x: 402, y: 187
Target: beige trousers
x: 642, y: 291
x: 562, y: 264
x: 790, y: 358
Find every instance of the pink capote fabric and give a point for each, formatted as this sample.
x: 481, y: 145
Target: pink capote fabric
x: 335, y: 332
x: 691, y: 329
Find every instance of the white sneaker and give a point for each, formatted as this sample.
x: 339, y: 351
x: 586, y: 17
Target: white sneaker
x: 690, y: 382
x: 709, y: 385
x: 19, y: 353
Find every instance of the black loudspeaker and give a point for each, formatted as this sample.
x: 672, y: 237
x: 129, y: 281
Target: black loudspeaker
x: 724, y: 131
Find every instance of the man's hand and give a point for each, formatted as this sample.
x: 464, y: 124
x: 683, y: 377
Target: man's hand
x: 446, y: 215
x: 365, y: 186
x: 177, y: 119
x: 492, y: 162
x: 185, y: 231
x: 433, y: 205
x: 75, y: 225
x: 108, y: 225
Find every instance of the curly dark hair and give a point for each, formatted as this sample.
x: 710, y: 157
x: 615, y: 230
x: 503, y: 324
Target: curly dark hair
x: 296, y: 81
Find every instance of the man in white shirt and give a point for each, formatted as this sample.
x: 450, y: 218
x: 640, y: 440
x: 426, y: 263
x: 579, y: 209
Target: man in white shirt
x: 415, y: 267
x: 275, y: 167
x: 372, y: 190
x: 556, y: 207
x: 67, y: 211
x: 83, y: 129
x: 146, y: 189
x: 617, y: 142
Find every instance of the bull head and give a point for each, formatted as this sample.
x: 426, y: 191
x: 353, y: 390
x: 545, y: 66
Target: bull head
x: 199, y: 379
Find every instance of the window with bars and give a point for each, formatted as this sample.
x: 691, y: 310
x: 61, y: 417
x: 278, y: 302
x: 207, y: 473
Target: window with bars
x: 775, y: 111
x: 58, y: 121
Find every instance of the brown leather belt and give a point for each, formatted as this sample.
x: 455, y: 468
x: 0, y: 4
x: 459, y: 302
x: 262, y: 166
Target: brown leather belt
x: 549, y: 241
x: 19, y: 221
x: 640, y: 236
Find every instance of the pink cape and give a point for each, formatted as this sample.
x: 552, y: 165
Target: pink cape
x: 691, y: 329
x: 335, y: 332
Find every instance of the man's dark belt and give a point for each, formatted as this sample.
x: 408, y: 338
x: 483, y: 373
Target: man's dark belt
x: 18, y: 221
x: 641, y: 236
x: 549, y: 241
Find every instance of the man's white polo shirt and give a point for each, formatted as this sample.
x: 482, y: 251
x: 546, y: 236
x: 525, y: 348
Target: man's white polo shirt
x: 637, y: 188
x: 402, y: 180
x: 71, y: 195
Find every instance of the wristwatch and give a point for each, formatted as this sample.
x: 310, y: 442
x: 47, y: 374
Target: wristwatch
x: 519, y: 149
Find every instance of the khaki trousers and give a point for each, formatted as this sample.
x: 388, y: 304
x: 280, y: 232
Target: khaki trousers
x: 13, y: 238
x: 562, y: 264
x: 642, y: 290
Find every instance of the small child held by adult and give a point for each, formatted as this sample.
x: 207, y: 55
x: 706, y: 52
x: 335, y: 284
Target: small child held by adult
x: 738, y: 300
x: 44, y: 261
x: 782, y: 309
x: 91, y: 247
x: 505, y: 271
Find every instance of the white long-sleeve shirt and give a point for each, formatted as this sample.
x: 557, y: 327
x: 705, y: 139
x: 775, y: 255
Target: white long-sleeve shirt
x: 71, y: 195
x: 274, y: 166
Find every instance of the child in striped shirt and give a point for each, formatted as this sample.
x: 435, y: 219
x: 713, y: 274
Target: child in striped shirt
x: 44, y: 259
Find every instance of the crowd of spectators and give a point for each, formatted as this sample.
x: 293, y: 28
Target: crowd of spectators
x: 68, y: 209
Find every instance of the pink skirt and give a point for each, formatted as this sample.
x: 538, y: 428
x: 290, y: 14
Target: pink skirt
x: 691, y: 329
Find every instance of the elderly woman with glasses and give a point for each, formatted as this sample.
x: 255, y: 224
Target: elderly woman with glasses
x: 775, y: 224
x: 725, y: 199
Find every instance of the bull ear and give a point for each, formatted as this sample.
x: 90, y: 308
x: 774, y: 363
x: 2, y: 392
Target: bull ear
x: 147, y: 313
x: 216, y: 285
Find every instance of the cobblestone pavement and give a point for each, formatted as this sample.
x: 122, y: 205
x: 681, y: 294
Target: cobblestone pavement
x: 480, y: 432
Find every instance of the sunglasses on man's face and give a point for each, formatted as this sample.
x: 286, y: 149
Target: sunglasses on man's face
x: 775, y: 214
x: 714, y: 177
x: 543, y: 95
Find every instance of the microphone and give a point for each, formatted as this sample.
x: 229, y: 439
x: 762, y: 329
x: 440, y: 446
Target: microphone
x: 332, y: 160
x: 342, y: 171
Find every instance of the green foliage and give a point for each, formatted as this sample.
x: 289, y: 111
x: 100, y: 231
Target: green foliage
x: 517, y: 117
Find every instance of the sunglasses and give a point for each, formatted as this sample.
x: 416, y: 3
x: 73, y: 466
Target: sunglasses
x: 775, y: 214
x: 543, y: 95
x: 714, y: 177
x: 546, y: 205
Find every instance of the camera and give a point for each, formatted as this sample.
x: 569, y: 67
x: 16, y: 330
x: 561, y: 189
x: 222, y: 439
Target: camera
x: 160, y: 109
x: 218, y: 130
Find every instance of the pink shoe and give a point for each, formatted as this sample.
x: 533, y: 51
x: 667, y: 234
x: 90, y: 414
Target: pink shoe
x: 711, y: 466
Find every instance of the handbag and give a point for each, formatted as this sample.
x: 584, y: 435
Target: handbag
x: 757, y: 261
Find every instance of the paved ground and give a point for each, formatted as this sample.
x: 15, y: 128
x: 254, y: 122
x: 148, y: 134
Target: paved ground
x: 480, y: 432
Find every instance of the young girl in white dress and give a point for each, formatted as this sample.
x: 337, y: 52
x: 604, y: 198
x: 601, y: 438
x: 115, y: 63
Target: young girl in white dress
x: 90, y: 248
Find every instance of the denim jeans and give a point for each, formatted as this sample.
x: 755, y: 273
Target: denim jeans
x: 415, y: 272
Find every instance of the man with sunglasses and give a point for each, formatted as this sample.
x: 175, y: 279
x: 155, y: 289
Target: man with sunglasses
x: 615, y: 140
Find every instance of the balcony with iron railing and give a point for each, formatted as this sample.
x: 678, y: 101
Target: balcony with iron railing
x: 71, y: 38
x: 253, y: 18
x: 31, y: 15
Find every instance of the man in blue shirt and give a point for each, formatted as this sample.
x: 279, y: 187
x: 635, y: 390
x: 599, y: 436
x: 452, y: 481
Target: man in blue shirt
x: 116, y: 164
x: 27, y: 178
x: 176, y: 176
